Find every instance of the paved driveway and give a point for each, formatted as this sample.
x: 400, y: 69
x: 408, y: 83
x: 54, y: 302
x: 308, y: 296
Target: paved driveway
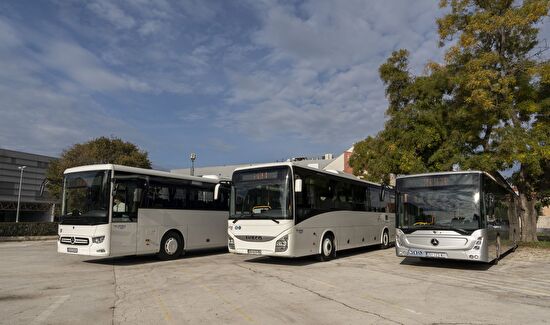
x: 367, y: 286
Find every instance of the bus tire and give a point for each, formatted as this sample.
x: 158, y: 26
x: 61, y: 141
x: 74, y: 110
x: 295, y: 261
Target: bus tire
x: 171, y: 246
x: 328, y: 249
x: 497, y: 258
x: 385, y: 239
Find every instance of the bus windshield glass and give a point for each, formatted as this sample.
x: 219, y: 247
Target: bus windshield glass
x: 261, y: 194
x: 86, y: 196
x: 439, y: 202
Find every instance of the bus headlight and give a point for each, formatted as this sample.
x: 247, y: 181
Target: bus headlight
x: 281, y: 245
x: 478, y: 243
x: 98, y: 240
x: 398, y: 234
x: 231, y: 242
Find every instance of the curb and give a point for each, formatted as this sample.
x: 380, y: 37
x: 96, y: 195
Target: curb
x: 27, y: 238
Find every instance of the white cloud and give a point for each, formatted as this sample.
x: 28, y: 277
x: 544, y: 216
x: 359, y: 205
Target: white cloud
x: 8, y: 37
x: 150, y: 27
x: 112, y: 13
x: 85, y: 68
x: 319, y: 81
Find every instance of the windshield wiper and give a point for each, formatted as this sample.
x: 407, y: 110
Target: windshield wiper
x: 275, y: 220
x: 242, y: 214
x: 460, y: 231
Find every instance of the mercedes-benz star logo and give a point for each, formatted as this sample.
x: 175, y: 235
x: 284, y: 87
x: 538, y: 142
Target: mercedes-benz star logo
x: 72, y: 240
x: 434, y: 242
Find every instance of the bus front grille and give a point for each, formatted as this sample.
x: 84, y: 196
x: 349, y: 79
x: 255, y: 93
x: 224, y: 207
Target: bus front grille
x: 74, y: 240
x: 254, y: 238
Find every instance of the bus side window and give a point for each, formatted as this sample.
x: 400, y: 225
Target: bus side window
x: 368, y: 205
x: 222, y: 203
x: 158, y: 196
x: 127, y: 200
x: 390, y: 204
x: 376, y: 205
x: 179, y: 199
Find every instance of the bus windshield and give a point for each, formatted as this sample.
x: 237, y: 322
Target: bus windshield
x: 261, y: 194
x: 86, y: 196
x: 439, y: 202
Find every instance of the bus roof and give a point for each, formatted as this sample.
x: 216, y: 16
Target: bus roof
x: 136, y: 170
x: 318, y: 170
x: 497, y: 177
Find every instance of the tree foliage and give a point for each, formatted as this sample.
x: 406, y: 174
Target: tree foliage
x: 486, y: 107
x: 102, y: 150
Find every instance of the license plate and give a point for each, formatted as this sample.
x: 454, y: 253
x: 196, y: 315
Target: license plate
x: 415, y: 252
x: 72, y: 250
x: 254, y: 252
x: 436, y: 254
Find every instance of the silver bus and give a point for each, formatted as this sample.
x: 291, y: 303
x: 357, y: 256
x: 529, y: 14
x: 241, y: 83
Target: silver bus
x: 113, y: 210
x: 468, y: 215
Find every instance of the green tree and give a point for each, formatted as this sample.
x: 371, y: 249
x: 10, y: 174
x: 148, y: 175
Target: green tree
x: 415, y: 138
x: 488, y: 106
x: 102, y: 150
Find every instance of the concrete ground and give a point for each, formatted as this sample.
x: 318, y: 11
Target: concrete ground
x: 367, y: 286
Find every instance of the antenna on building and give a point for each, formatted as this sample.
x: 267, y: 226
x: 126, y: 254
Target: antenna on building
x: 193, y: 157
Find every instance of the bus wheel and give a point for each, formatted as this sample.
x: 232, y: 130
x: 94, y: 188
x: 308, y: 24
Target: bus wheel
x: 495, y: 262
x: 328, y: 251
x: 171, y: 246
x: 385, y: 239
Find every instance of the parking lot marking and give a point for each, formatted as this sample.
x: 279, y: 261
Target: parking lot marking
x: 322, y: 282
x: 378, y: 300
x: 502, y: 286
x: 46, y: 313
x: 222, y: 298
x: 165, y: 312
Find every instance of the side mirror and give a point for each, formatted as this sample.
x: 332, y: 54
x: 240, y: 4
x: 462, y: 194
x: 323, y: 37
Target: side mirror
x: 115, y: 189
x: 298, y: 185
x: 43, y: 186
x: 382, y: 192
x: 137, y: 195
x: 217, y: 191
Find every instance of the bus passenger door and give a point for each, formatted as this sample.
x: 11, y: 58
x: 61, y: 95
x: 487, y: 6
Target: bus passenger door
x: 126, y: 199
x: 123, y: 238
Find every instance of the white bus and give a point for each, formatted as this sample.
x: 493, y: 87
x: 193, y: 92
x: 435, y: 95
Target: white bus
x: 468, y: 215
x: 112, y: 210
x: 287, y: 210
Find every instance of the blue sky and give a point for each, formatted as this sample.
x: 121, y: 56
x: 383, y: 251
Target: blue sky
x: 233, y: 81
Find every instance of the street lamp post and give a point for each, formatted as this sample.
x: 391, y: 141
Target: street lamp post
x: 21, y: 168
x: 193, y: 157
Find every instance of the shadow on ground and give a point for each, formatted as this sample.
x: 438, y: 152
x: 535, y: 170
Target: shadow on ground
x: 152, y: 258
x: 307, y: 260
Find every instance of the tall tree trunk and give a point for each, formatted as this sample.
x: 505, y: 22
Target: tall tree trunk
x: 528, y: 217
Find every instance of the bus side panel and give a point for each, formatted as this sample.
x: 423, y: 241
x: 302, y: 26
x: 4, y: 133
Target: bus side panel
x: 346, y: 225
x: 306, y: 240
x: 148, y: 237
x: 200, y: 229
x: 206, y: 228
x: 123, y: 238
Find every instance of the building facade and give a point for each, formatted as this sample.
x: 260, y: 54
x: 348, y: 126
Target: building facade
x: 325, y: 162
x: 33, y: 207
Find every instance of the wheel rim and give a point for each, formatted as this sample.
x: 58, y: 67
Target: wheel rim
x: 171, y: 246
x: 327, y: 247
x: 385, y: 238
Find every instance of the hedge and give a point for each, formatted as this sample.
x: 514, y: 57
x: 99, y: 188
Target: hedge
x: 9, y: 229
